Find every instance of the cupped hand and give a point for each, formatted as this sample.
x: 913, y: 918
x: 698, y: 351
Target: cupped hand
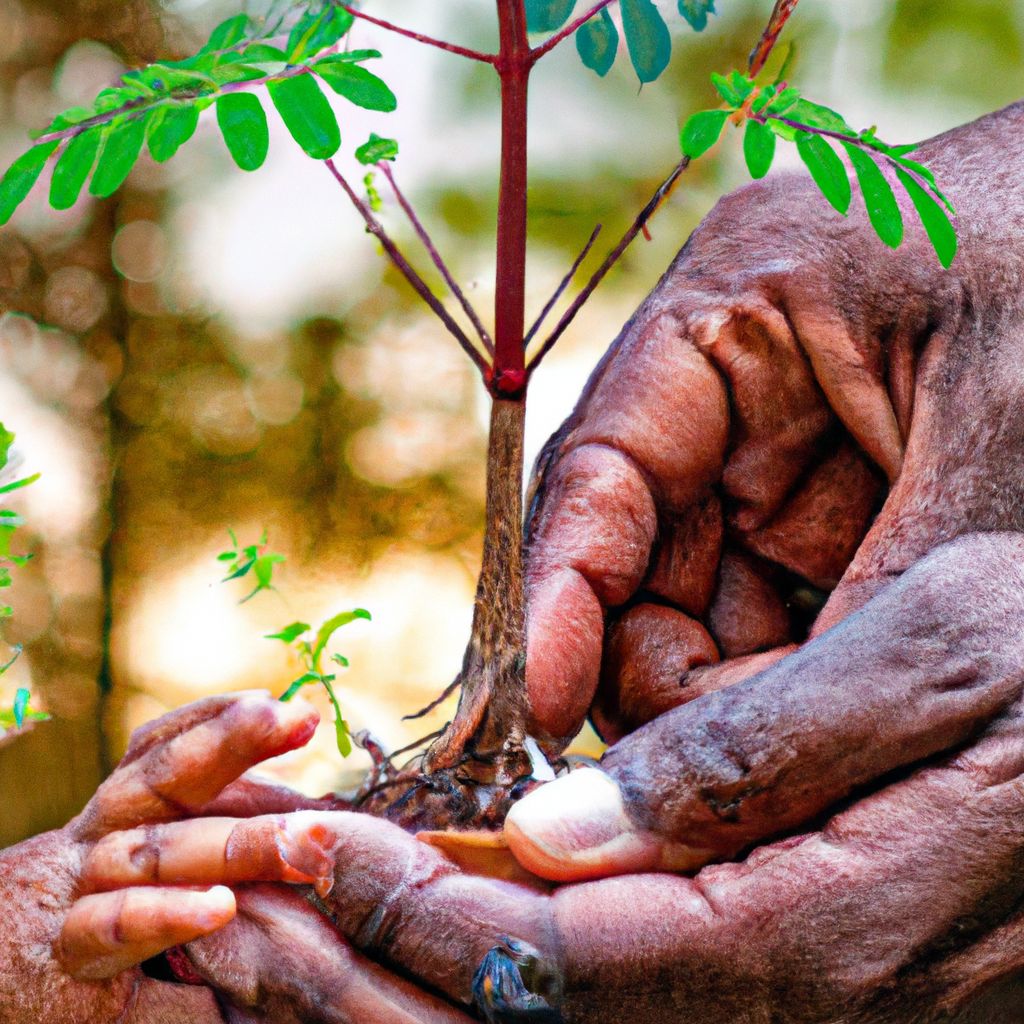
x: 67, y: 955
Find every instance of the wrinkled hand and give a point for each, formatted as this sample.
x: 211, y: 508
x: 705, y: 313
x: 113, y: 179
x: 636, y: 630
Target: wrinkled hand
x: 67, y: 957
x: 723, y: 468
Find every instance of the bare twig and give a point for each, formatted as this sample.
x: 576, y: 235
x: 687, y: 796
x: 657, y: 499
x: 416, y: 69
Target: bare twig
x: 435, y: 256
x: 758, y: 58
x: 376, y: 229
x: 562, y: 34
x: 440, y: 44
x: 610, y: 260
x: 437, y: 701
x: 560, y: 290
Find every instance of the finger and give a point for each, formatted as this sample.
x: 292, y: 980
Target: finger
x: 253, y: 795
x: 904, y: 908
x: 107, y: 933
x: 918, y: 670
x: 180, y: 764
x: 650, y: 433
x: 649, y: 655
x: 283, y: 959
x: 294, y: 848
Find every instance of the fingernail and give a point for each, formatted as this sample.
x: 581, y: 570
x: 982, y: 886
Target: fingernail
x: 213, y: 908
x: 577, y: 827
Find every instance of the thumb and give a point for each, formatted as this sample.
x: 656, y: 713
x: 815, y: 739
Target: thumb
x: 580, y: 827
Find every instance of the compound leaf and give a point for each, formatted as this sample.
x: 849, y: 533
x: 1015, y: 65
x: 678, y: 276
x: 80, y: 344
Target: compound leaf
x: 879, y: 200
x: 357, y: 85
x: 597, y: 42
x: 758, y: 148
x: 933, y: 217
x: 21, y: 176
x: 244, y: 127
x: 647, y: 38
x: 827, y: 170
x: 73, y: 167
x: 307, y: 115
x: 701, y: 132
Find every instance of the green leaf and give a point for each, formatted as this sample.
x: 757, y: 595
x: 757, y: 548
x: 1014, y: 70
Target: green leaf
x: 597, y: 43
x: 332, y: 625
x: 827, y: 170
x: 341, y: 731
x: 290, y: 633
x: 357, y: 85
x: 168, y: 133
x: 701, y: 132
x: 933, y: 217
x: 263, y: 569
x: 314, y: 32
x: 236, y: 71
x: 227, y: 34
x: 73, y: 168
x: 376, y: 149
x: 785, y: 99
x: 307, y: 115
x: 647, y: 37
x: 340, y: 660
x: 244, y: 127
x: 263, y: 53
x: 123, y: 144
x: 309, y: 677
x: 817, y: 116
x: 696, y: 12
x: 18, y: 484
x: 67, y: 119
x: 883, y: 210
x: 21, y: 176
x: 547, y: 15
x: 240, y: 571
x: 726, y: 90
x: 349, y: 57
x: 111, y: 99
x: 743, y: 85
x: 166, y: 79
x: 758, y: 148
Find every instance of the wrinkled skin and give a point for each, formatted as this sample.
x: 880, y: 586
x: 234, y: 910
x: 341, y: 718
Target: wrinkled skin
x: 796, y: 413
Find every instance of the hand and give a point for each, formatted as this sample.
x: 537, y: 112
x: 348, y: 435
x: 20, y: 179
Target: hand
x: 71, y: 958
x: 905, y: 907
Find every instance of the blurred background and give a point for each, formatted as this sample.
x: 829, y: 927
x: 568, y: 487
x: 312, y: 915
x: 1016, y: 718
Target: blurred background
x: 210, y: 349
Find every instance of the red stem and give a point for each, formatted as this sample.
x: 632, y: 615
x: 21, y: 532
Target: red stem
x: 563, y: 33
x: 513, y: 65
x: 440, y: 44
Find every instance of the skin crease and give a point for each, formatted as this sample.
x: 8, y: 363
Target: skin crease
x: 787, y: 370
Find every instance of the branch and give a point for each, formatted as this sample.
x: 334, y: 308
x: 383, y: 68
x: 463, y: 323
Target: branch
x: 780, y: 15
x: 428, y: 244
x: 376, y: 229
x: 610, y: 260
x: 562, y: 34
x: 440, y: 44
x: 559, y: 291
x: 144, y: 104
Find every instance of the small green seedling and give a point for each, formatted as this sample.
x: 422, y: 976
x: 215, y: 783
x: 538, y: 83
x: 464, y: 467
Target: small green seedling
x: 20, y: 712
x: 310, y: 648
x: 253, y: 558
x: 309, y: 645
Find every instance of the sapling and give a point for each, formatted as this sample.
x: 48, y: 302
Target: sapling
x: 469, y: 771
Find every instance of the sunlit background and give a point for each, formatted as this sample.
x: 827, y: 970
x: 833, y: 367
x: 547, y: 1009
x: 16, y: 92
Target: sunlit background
x: 210, y: 349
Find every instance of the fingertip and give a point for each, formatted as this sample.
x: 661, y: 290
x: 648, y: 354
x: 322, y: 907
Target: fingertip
x: 577, y: 828
x: 215, y: 908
